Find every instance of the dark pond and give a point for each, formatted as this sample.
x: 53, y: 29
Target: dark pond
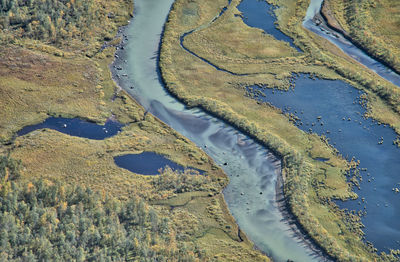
x: 76, y: 127
x: 148, y: 163
x: 261, y: 15
x: 332, y: 108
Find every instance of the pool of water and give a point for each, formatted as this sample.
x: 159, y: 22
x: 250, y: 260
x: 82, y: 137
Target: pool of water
x: 76, y: 127
x: 332, y: 108
x: 260, y: 14
x: 148, y: 163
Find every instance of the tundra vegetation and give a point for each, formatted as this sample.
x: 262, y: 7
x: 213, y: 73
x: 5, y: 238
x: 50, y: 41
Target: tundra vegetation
x: 62, y: 196
x: 373, y: 25
x: 247, y: 57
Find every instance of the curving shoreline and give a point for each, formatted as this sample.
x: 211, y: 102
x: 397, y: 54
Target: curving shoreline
x: 316, y: 23
x: 168, y: 116
x: 330, y: 21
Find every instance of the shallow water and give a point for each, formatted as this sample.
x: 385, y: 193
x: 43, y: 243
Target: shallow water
x: 347, y: 47
x: 251, y: 168
x: 146, y: 163
x: 337, y: 103
x: 260, y: 14
x: 382, y: 161
x: 76, y: 127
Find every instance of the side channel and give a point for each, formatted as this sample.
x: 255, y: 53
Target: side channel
x: 320, y: 28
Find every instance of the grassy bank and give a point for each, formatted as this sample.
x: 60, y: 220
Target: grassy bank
x: 44, y: 72
x: 370, y: 24
x: 310, y: 185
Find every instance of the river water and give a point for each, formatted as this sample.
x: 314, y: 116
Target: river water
x: 346, y: 46
x: 252, y: 169
x: 369, y: 142
x: 336, y: 113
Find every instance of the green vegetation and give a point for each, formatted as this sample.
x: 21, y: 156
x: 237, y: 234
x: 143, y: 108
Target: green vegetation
x: 53, y: 222
x: 9, y: 169
x: 45, y: 71
x: 68, y: 24
x: 310, y: 185
x: 374, y: 25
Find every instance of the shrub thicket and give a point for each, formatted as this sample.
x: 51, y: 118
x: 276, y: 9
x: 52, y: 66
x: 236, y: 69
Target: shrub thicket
x: 52, y: 222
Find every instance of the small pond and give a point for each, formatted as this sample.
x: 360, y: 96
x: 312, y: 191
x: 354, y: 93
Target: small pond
x: 333, y: 109
x: 148, y: 163
x: 76, y: 127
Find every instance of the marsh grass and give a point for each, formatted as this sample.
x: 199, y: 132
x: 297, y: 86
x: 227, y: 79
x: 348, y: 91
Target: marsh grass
x: 372, y: 24
x: 310, y: 185
x: 39, y: 79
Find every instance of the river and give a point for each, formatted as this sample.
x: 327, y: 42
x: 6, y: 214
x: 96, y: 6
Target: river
x: 345, y: 45
x: 253, y: 171
x: 369, y: 142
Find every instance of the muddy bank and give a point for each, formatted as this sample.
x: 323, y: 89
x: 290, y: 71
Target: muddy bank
x: 285, y: 208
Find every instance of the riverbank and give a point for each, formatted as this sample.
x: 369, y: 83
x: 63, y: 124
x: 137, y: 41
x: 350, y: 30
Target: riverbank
x: 295, y: 225
x: 371, y: 48
x: 370, y: 26
x: 202, y: 225
x: 310, y: 183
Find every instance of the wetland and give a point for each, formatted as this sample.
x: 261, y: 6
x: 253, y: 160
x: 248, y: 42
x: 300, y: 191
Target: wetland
x: 325, y: 173
x: 256, y: 131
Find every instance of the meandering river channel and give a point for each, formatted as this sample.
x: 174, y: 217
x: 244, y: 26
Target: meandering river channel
x: 253, y: 171
x: 252, y: 194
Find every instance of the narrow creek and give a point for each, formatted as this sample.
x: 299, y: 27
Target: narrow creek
x: 253, y: 171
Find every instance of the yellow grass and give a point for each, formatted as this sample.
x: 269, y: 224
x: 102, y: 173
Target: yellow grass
x: 309, y: 183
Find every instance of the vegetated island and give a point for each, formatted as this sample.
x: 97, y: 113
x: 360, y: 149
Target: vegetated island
x: 216, y: 62
x: 63, y: 197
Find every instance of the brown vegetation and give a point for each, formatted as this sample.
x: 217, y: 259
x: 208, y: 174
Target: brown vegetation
x: 309, y: 184
x: 52, y: 74
x: 373, y: 25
